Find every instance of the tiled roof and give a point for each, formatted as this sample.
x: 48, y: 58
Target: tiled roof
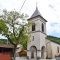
x: 6, y: 46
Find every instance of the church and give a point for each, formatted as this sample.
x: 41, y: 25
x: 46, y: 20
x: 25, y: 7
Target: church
x: 39, y: 45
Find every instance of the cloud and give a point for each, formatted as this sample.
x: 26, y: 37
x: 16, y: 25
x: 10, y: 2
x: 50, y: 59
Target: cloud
x: 53, y: 29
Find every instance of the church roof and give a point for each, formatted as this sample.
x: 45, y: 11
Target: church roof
x: 36, y: 13
x: 6, y: 46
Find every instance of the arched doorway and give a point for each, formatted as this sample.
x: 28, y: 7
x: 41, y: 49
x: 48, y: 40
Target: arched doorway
x: 33, y: 50
x: 42, y: 52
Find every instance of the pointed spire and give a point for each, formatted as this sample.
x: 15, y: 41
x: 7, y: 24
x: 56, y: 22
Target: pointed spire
x: 36, y: 12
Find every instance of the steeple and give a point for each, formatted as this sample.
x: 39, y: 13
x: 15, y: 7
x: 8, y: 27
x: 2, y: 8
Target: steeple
x: 36, y: 13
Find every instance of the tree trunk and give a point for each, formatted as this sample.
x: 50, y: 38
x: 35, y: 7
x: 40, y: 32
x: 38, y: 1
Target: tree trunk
x: 14, y: 57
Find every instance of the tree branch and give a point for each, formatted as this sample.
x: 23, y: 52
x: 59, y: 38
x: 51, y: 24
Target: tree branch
x: 13, y: 29
x: 20, y: 32
x: 10, y: 40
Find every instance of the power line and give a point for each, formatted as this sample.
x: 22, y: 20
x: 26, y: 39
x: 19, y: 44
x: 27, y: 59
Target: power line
x: 22, y: 5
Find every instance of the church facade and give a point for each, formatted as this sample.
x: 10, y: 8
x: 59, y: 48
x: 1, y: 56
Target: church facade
x: 39, y: 46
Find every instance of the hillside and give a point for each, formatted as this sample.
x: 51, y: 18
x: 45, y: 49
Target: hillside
x: 54, y: 39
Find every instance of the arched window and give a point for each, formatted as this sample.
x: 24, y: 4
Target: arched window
x: 58, y: 49
x: 33, y: 27
x: 42, y: 27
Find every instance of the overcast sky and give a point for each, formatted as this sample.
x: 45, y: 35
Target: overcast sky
x: 49, y: 9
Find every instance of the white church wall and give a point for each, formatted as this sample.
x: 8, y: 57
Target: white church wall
x: 42, y: 40
x: 38, y: 34
x: 54, y: 49
x: 34, y: 42
x: 43, y: 43
x: 39, y: 40
x: 38, y: 21
x: 38, y: 24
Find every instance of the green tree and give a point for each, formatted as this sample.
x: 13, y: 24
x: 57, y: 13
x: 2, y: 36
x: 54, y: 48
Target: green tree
x: 10, y: 27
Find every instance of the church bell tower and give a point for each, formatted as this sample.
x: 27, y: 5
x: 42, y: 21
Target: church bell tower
x: 36, y: 47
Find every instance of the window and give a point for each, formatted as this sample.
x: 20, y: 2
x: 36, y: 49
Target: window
x: 33, y: 38
x: 58, y: 49
x: 33, y: 27
x: 42, y: 27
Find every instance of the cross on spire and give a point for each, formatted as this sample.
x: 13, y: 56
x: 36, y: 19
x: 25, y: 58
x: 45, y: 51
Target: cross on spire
x: 36, y: 6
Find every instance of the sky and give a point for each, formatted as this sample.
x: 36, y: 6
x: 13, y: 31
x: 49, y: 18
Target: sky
x: 49, y: 9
